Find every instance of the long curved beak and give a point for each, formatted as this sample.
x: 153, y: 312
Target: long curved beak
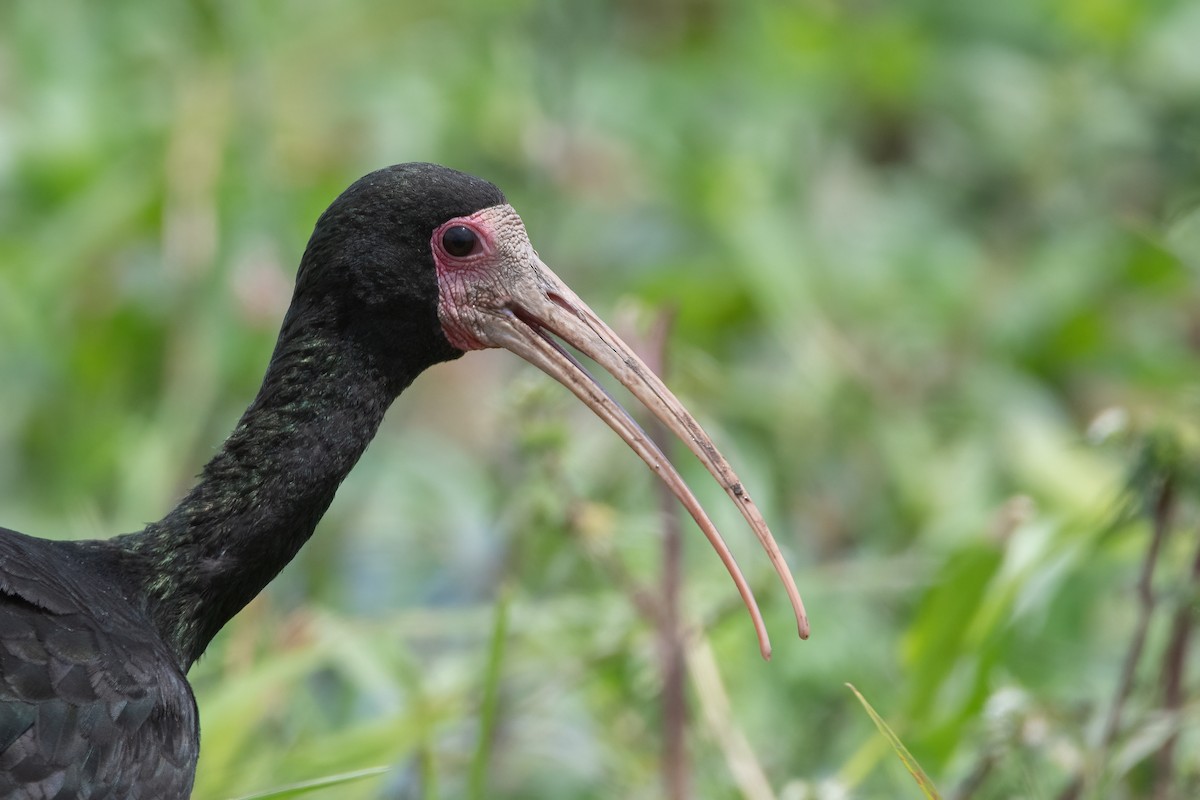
x: 532, y: 307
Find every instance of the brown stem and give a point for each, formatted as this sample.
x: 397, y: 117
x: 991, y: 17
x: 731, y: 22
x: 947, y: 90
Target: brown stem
x: 975, y: 778
x: 1174, y: 668
x: 1162, y: 513
x: 1164, y: 506
x: 670, y: 630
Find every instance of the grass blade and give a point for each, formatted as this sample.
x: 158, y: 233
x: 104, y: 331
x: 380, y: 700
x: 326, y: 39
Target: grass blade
x: 491, y: 694
x: 906, y: 757
x: 303, y: 787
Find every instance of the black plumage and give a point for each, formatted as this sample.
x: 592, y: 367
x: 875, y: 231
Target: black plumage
x: 97, y: 636
x: 93, y: 703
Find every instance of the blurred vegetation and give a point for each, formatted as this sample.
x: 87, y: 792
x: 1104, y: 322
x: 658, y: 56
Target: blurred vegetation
x: 935, y: 272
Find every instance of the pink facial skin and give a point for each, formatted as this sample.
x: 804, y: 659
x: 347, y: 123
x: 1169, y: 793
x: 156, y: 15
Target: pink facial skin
x: 480, y: 281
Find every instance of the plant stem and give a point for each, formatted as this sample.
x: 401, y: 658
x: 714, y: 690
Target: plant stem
x: 1163, y: 510
x: 670, y: 634
x: 1174, y: 668
x: 1164, y: 504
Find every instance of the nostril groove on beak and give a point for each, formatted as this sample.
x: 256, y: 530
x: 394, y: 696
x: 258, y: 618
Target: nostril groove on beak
x: 524, y: 316
x: 562, y: 302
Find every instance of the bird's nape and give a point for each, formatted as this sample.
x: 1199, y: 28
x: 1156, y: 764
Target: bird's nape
x: 494, y: 291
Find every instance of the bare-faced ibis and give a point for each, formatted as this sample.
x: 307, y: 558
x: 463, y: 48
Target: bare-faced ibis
x: 412, y: 265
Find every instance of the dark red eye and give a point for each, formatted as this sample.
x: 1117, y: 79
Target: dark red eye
x: 459, y: 240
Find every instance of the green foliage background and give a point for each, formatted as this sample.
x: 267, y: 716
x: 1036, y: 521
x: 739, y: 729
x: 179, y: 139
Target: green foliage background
x: 934, y: 267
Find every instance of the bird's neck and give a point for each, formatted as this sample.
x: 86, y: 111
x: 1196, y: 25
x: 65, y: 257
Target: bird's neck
x: 260, y: 498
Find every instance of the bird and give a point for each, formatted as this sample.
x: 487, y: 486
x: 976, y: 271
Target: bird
x: 412, y: 265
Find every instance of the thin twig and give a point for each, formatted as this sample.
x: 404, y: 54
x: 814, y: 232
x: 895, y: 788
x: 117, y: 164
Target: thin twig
x: 1163, y: 511
x: 670, y: 637
x: 1174, y: 668
x: 975, y: 778
x: 1164, y: 505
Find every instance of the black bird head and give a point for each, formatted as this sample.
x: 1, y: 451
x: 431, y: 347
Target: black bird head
x: 419, y: 263
x: 369, y: 265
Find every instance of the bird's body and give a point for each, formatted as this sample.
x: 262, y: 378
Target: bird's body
x: 92, y: 703
x: 412, y: 265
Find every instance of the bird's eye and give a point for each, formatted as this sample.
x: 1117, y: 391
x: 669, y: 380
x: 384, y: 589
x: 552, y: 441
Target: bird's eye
x: 459, y: 240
